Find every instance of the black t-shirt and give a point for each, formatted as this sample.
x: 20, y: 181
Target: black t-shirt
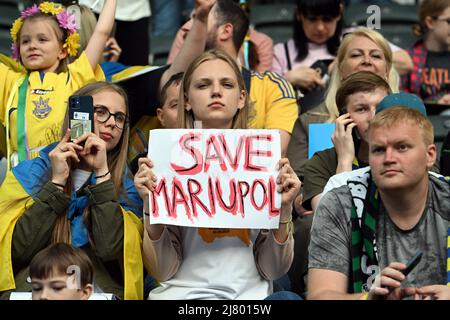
x: 435, y: 77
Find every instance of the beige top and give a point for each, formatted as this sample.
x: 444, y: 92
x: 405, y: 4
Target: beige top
x: 200, y: 263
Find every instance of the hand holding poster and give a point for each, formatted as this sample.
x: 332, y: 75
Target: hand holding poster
x: 215, y: 178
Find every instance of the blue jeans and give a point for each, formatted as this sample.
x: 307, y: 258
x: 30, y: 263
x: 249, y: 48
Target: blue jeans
x: 167, y: 15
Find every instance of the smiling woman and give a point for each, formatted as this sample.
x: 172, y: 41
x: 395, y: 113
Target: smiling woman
x: 79, y: 193
x: 361, y: 50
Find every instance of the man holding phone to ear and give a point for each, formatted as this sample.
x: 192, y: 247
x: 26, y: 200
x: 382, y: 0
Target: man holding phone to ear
x: 356, y: 99
x: 385, y: 233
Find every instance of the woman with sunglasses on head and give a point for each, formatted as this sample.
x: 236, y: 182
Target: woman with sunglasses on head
x: 431, y: 55
x: 79, y: 193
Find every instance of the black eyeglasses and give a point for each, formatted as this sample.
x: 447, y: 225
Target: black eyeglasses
x: 443, y: 19
x: 103, y: 114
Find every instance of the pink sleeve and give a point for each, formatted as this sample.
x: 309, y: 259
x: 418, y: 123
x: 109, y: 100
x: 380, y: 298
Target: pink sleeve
x: 279, y: 63
x: 264, y: 47
x: 178, y: 41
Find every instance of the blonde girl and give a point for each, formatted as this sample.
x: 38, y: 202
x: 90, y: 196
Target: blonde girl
x: 242, y: 262
x: 33, y: 94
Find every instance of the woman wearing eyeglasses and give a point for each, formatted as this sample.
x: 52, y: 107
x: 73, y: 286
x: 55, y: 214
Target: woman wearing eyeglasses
x: 79, y: 193
x: 431, y: 55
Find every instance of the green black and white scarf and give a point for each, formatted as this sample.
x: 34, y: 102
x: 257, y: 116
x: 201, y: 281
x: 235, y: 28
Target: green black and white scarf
x: 364, y: 218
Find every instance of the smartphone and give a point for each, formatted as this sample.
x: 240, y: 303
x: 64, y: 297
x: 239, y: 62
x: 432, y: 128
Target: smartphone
x: 356, y: 137
x: 414, y: 261
x: 81, y: 116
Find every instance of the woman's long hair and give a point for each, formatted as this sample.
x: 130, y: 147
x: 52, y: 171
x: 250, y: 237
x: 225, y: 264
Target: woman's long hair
x: 117, y: 159
x: 336, y: 76
x: 315, y: 8
x: 185, y: 117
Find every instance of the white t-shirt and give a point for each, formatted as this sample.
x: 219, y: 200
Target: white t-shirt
x: 341, y: 178
x: 127, y: 10
x: 224, y: 269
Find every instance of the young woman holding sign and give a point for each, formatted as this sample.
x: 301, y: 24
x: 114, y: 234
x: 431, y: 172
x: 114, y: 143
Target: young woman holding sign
x: 78, y: 193
x: 202, y: 263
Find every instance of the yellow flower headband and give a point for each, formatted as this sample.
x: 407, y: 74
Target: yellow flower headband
x: 65, y: 19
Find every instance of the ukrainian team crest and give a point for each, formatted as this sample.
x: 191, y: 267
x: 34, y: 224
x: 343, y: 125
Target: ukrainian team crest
x: 42, y: 109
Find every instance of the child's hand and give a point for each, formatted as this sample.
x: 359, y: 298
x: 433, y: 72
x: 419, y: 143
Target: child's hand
x: 61, y: 158
x: 145, y: 179
x: 202, y: 9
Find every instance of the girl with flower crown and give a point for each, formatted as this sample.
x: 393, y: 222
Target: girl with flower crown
x: 33, y: 101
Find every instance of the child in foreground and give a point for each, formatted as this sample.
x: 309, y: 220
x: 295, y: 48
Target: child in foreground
x: 61, y: 272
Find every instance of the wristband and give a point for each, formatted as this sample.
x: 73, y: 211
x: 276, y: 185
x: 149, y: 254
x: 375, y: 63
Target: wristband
x: 103, y: 175
x: 365, y: 296
x: 288, y: 223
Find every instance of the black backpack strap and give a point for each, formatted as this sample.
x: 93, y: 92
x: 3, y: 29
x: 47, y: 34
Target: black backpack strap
x: 288, y: 57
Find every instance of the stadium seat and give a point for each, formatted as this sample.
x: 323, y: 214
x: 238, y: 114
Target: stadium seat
x: 400, y: 35
x: 9, y: 12
x: 5, y: 41
x: 275, y: 20
x: 356, y: 14
x: 441, y: 125
x: 159, y: 49
x: 396, y: 21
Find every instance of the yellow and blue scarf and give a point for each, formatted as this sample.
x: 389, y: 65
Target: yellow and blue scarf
x: 16, y: 195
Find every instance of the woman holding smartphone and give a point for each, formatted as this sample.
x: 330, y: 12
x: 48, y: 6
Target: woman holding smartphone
x: 79, y: 193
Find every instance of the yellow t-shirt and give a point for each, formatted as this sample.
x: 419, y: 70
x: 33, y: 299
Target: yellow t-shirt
x: 46, y: 101
x: 273, y: 101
